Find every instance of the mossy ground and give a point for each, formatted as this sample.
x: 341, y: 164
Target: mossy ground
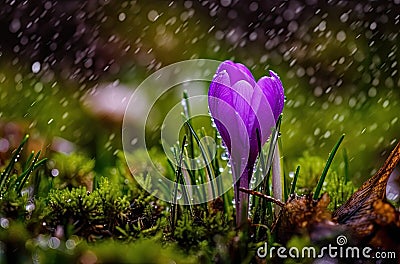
x: 80, y: 215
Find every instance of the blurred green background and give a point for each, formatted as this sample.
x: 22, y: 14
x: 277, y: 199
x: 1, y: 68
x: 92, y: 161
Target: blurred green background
x: 67, y: 67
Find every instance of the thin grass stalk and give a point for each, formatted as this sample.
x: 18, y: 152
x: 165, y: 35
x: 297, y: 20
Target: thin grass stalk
x: 25, y: 175
x: 178, y: 173
x: 296, y: 175
x: 326, y: 168
x: 7, y: 172
x: 204, y: 155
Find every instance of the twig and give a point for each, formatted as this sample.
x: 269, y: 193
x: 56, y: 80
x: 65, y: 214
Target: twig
x: 266, y: 197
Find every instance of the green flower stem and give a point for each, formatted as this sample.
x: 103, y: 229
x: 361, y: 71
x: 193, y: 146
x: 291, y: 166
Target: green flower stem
x: 242, y: 198
x: 277, y: 190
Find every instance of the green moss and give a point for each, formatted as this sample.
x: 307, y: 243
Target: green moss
x: 335, y: 183
x: 74, y: 170
x: 87, y: 214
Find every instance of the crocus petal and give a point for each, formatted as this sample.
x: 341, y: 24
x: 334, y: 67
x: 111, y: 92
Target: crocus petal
x: 241, y: 98
x: 230, y: 105
x: 273, y: 91
x: 264, y: 119
x: 258, y: 116
x: 241, y: 108
x: 236, y: 72
x: 220, y: 90
x: 220, y: 87
x: 232, y: 129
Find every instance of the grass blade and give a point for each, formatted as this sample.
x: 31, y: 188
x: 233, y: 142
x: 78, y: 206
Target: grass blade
x: 327, y: 165
x: 25, y: 175
x: 186, y: 112
x: 296, y: 175
x: 346, y: 166
x: 7, y: 172
x: 203, y: 154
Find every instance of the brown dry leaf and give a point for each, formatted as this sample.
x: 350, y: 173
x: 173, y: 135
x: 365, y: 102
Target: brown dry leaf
x: 301, y: 214
x: 367, y: 213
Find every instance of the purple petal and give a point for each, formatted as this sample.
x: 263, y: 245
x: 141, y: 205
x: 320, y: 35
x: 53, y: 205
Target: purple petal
x: 242, y: 92
x: 232, y: 129
x: 273, y: 91
x: 220, y: 90
x: 262, y: 119
x: 264, y: 116
x: 220, y: 87
x: 236, y: 72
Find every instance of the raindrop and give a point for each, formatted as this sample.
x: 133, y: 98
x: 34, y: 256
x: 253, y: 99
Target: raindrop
x: 288, y: 14
x: 338, y: 100
x: 188, y: 4
x: 293, y: 26
x: 318, y: 91
x: 54, y: 242
x: 153, y: 15
x: 341, y: 36
x: 253, y: 36
x: 300, y: 72
x: 121, y: 17
x: 26, y: 191
x: 88, y: 63
x: 36, y: 67
x: 225, y: 155
x: 30, y: 207
x: 54, y: 172
x: 327, y: 134
x: 253, y: 6
x: 38, y: 87
x: 352, y: 102
x: 70, y: 244
x: 226, y: 3
x: 15, y: 25
x: 178, y: 194
x: 4, y: 223
x: 372, y: 92
x: 4, y: 145
x: 385, y: 103
x: 344, y: 17
x: 134, y: 141
x: 253, y: 180
x: 322, y: 26
x: 48, y: 5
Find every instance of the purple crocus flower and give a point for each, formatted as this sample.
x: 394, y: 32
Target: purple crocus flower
x: 240, y: 107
